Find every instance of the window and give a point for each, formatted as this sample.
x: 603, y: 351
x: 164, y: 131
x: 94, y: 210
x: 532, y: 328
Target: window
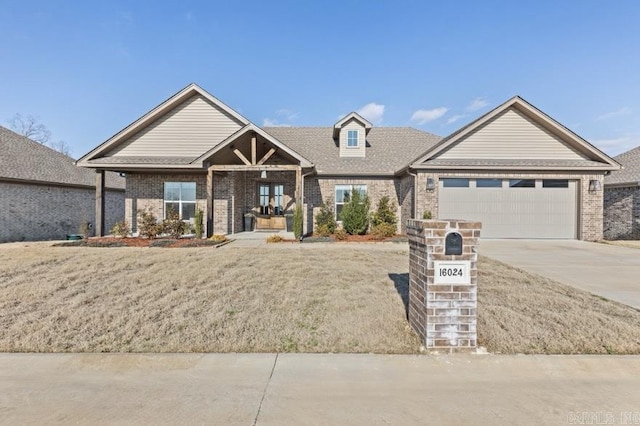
x: 555, y: 183
x: 343, y: 195
x: 488, y: 183
x: 522, y: 183
x: 181, y: 198
x: 352, y: 138
x: 455, y: 183
x: 264, y: 199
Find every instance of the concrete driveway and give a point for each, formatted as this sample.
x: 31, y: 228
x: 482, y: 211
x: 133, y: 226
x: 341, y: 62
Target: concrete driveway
x: 608, y: 271
x: 317, y: 389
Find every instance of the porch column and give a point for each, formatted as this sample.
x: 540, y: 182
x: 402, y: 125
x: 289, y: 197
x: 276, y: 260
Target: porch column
x: 298, y: 193
x: 99, y: 225
x: 209, y: 202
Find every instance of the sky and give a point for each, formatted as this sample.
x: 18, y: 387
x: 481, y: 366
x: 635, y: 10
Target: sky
x: 88, y: 69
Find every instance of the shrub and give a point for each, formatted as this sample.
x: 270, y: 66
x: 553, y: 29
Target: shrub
x: 340, y: 234
x: 326, y: 220
x: 355, y: 214
x: 148, y: 224
x: 218, y: 238
x: 385, y: 213
x: 85, y: 229
x: 275, y: 238
x: 198, y: 227
x: 322, y: 230
x: 173, y: 225
x: 426, y: 214
x: 121, y: 229
x: 297, y: 221
x: 383, y: 230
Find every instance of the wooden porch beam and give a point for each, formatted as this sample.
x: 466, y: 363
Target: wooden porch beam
x: 237, y: 152
x: 253, y: 149
x: 266, y: 156
x: 250, y: 168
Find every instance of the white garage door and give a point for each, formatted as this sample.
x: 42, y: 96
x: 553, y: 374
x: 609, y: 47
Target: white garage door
x: 513, y: 208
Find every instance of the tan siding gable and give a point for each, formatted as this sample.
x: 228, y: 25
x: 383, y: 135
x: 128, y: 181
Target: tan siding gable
x: 359, y: 151
x: 188, y: 130
x: 511, y: 135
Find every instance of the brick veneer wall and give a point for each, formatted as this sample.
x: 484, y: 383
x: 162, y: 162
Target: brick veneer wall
x: 443, y: 315
x: 319, y: 190
x: 622, y: 213
x: 590, y: 205
x: 31, y: 212
x: 146, y: 192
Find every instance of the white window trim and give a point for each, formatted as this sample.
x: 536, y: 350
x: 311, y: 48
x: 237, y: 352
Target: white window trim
x: 335, y: 197
x: 357, y: 139
x: 180, y: 202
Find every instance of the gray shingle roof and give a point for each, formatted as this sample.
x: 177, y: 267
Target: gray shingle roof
x: 143, y: 160
x: 389, y: 149
x: 23, y: 159
x: 630, y: 173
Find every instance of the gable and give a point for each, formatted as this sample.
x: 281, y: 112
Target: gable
x: 352, y: 151
x: 187, y: 130
x: 511, y: 135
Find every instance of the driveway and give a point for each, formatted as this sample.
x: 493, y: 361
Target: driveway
x: 317, y: 389
x: 608, y: 271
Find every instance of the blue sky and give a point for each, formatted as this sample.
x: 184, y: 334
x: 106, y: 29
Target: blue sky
x: 88, y: 69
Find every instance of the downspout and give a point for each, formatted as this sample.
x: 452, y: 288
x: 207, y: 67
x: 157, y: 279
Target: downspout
x: 415, y: 193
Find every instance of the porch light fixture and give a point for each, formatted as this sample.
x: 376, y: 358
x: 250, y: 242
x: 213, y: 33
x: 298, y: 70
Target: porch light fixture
x: 594, y: 185
x: 431, y: 184
x: 263, y: 174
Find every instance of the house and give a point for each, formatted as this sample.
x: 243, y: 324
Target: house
x: 622, y: 199
x: 44, y: 196
x: 520, y: 172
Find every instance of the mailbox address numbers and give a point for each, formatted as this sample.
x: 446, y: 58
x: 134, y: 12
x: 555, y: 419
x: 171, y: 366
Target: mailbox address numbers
x: 452, y: 272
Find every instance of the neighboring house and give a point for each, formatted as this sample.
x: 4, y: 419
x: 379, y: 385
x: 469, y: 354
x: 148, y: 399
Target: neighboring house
x: 517, y: 170
x: 622, y: 199
x: 44, y: 196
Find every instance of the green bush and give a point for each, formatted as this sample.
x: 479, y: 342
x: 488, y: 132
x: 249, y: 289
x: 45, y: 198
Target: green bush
x: 385, y: 213
x: 426, y: 214
x: 148, y: 225
x: 355, y: 214
x: 326, y: 220
x: 322, y: 230
x: 173, y: 225
x: 297, y: 221
x: 121, y: 229
x: 198, y: 223
x: 383, y: 230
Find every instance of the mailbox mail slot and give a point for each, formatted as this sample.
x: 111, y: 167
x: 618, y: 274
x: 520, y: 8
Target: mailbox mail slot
x: 453, y: 244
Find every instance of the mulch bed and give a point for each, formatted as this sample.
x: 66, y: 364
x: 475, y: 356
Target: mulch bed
x: 355, y: 239
x: 140, y: 242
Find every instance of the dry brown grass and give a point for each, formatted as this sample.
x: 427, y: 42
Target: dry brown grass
x: 306, y: 298
x: 523, y: 313
x: 625, y: 243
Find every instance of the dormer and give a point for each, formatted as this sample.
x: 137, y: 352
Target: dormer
x: 351, y: 134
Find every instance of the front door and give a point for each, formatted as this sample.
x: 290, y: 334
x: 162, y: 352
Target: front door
x: 271, y: 206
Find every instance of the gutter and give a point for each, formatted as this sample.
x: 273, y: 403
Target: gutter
x: 302, y: 197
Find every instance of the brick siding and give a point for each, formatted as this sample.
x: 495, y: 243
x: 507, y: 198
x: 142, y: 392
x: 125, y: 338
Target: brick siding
x: 31, y: 212
x: 622, y: 213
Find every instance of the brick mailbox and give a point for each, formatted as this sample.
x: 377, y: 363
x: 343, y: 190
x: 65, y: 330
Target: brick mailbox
x: 443, y: 280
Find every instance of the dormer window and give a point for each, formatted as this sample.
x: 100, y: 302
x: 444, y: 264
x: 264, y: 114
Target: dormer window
x: 352, y: 139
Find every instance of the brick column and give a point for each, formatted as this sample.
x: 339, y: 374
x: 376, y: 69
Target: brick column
x: 443, y: 308
x: 100, y: 223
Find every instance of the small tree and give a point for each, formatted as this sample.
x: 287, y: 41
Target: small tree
x: 198, y: 225
x: 148, y: 225
x: 297, y: 221
x: 355, y: 214
x: 326, y: 220
x: 386, y: 212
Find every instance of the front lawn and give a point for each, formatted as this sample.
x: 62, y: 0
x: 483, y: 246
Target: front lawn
x: 304, y: 298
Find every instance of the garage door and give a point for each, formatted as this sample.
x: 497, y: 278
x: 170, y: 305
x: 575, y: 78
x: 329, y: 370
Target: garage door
x: 513, y: 208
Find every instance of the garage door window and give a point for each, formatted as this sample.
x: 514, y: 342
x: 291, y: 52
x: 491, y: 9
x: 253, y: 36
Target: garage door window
x: 455, y: 183
x: 522, y: 183
x: 555, y: 183
x: 488, y: 183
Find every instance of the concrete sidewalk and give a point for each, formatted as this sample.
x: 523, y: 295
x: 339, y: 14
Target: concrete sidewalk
x: 270, y: 389
x: 606, y: 270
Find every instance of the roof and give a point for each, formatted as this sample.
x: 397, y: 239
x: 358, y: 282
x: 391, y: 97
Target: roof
x: 25, y: 160
x: 389, y: 149
x: 600, y: 158
x: 630, y: 173
x: 532, y: 164
x: 351, y: 116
